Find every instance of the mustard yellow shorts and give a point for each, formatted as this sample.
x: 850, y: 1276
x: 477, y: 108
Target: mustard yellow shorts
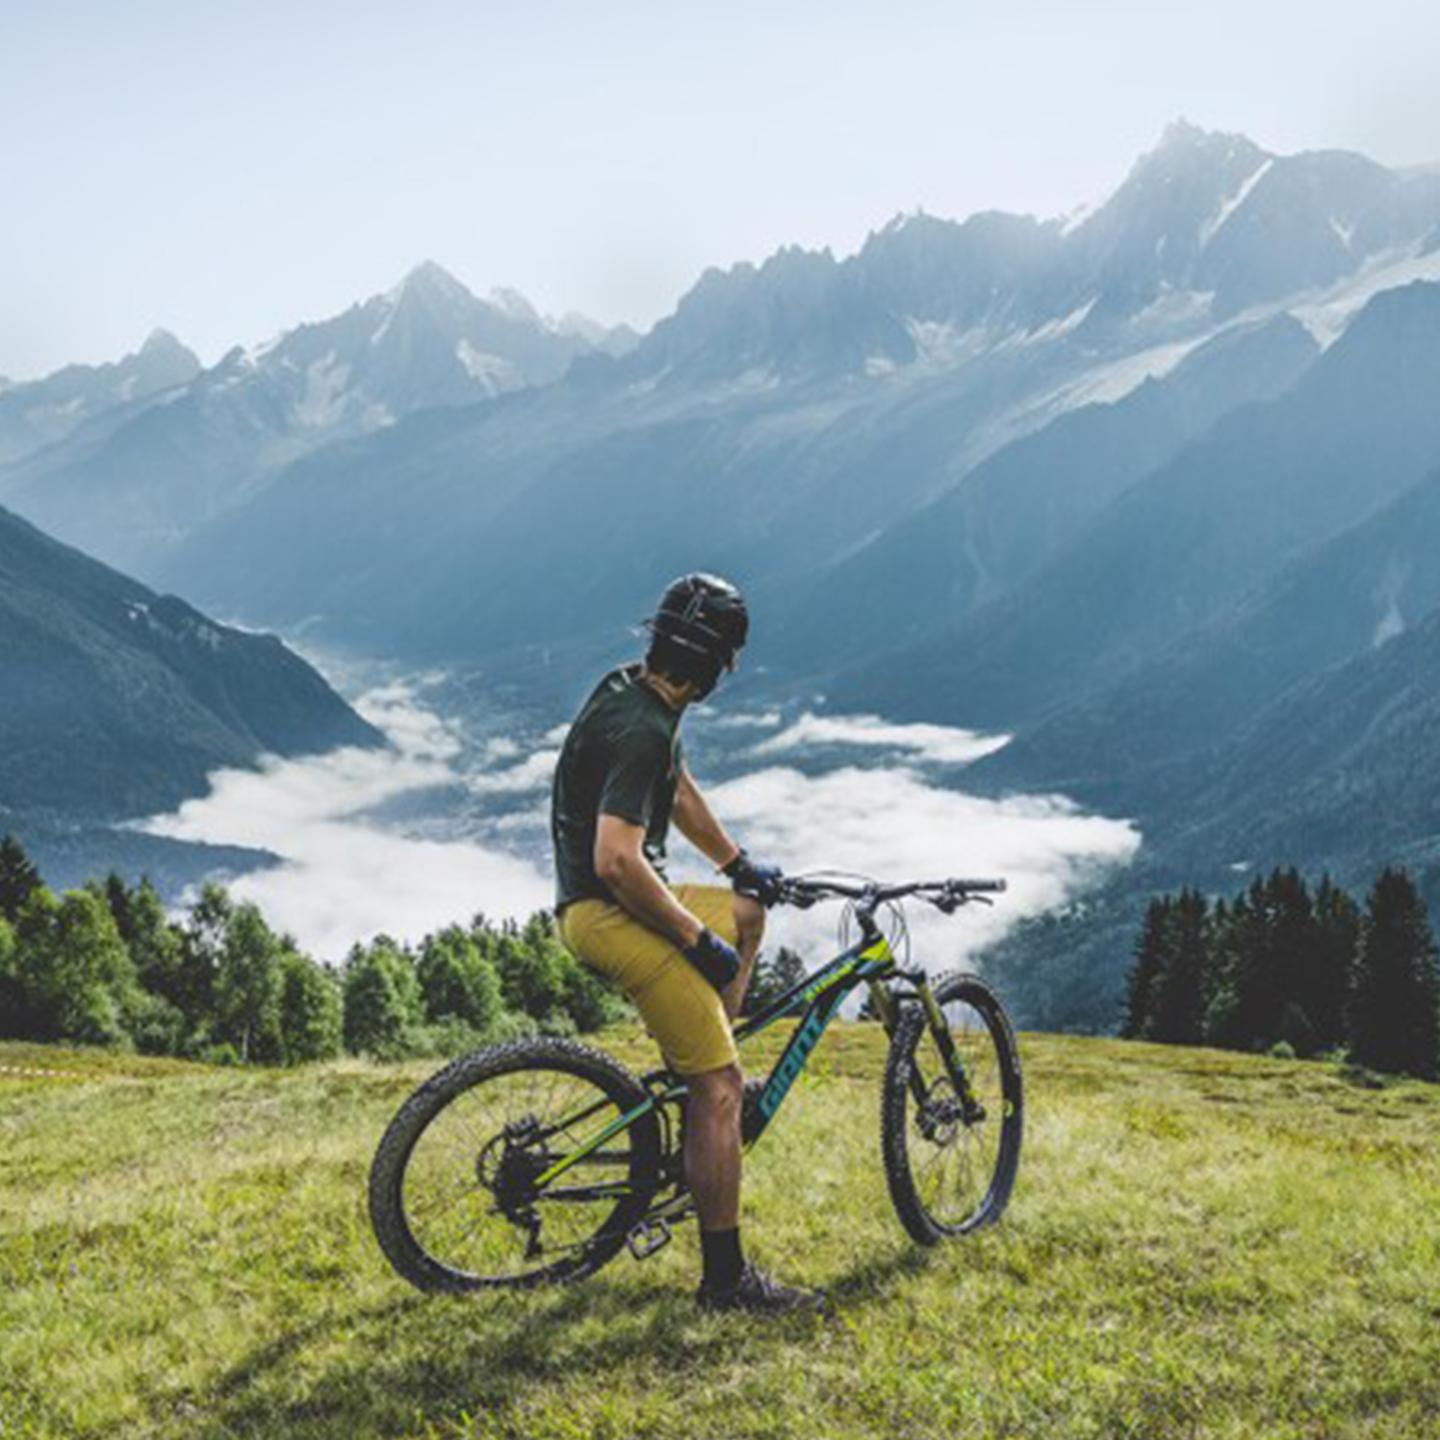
x: 681, y: 1009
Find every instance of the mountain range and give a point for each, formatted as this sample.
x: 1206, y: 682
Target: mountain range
x: 119, y: 702
x: 38, y: 413
x: 792, y: 415
x: 126, y: 482
x: 1154, y: 487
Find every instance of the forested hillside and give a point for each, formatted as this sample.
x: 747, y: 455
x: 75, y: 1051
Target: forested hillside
x: 119, y: 701
x: 1281, y: 969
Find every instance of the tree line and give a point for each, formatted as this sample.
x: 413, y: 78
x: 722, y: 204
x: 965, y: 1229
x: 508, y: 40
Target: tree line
x: 1280, y: 966
x: 105, y: 965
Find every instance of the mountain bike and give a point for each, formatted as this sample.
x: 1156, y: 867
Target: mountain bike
x: 538, y: 1161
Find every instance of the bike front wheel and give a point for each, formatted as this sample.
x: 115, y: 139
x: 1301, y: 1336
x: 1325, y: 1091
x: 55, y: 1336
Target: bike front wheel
x: 463, y: 1189
x: 951, y: 1130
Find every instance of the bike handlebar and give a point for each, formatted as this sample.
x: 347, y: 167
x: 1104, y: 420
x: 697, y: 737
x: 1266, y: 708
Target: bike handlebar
x: 946, y: 895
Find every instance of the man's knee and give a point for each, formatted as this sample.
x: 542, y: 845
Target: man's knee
x: 719, y: 1090
x: 749, y: 921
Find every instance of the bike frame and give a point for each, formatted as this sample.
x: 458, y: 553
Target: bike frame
x: 816, y: 1000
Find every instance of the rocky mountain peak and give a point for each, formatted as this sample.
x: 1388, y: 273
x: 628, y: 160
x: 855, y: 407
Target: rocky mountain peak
x: 431, y: 288
x: 163, y: 361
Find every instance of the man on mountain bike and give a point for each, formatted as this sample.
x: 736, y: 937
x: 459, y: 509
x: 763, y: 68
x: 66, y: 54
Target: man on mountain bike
x: 682, y: 953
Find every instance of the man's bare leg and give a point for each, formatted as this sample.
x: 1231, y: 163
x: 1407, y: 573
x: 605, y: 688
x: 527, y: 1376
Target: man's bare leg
x: 750, y: 930
x: 712, y: 1162
x: 712, y: 1146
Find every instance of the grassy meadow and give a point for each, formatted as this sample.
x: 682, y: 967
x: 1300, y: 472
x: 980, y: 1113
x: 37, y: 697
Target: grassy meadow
x: 1200, y: 1244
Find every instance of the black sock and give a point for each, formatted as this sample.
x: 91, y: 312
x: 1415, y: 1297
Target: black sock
x: 720, y: 1254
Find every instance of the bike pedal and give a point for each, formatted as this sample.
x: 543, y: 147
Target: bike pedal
x: 648, y: 1237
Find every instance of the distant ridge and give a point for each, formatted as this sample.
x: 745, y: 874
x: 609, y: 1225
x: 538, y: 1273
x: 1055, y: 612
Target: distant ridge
x: 119, y: 702
x: 125, y: 480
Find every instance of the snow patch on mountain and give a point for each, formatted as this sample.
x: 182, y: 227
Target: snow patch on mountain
x: 1232, y: 204
x: 1055, y: 329
x: 323, y: 403
x: 490, y: 371
x: 1391, y: 624
x: 1327, y: 312
x: 515, y: 306
x: 1107, y: 383
x: 939, y: 345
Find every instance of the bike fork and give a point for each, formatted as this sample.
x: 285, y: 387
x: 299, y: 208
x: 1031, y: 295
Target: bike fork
x: 945, y: 1044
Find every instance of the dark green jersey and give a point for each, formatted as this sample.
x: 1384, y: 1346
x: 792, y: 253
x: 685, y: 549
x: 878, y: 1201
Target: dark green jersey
x: 621, y: 757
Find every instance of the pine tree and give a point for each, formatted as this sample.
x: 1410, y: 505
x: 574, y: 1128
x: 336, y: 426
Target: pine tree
x: 19, y: 879
x: 156, y: 945
x: 788, y: 969
x: 773, y: 976
x: 1332, y: 965
x: 1296, y: 1031
x: 1395, y: 1015
x: 1252, y: 1000
x: 1177, y: 1004
x: 1292, y: 956
x: 1266, y: 957
x: 1151, y: 958
x: 1225, y: 922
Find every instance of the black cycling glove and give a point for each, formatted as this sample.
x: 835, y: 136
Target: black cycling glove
x: 713, y: 958
x: 760, y: 882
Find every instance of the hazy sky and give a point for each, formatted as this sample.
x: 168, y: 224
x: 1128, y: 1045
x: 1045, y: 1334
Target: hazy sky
x: 227, y: 170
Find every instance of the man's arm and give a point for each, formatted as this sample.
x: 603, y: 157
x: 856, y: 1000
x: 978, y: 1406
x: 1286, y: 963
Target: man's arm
x: 697, y: 823
x: 621, y: 864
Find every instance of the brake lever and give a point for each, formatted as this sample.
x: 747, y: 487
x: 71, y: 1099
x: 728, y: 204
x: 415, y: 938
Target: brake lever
x: 950, y: 902
x: 800, y: 899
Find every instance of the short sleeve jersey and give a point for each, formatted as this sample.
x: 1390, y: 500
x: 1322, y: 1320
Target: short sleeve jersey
x: 621, y: 757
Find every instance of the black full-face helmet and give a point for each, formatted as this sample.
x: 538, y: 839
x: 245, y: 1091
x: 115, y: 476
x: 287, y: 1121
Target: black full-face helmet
x: 697, y: 630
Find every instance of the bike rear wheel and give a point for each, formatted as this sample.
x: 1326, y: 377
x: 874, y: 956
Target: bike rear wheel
x: 458, y: 1197
x: 951, y: 1158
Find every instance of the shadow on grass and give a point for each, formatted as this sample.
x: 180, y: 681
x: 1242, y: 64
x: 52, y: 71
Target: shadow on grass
x: 390, y: 1369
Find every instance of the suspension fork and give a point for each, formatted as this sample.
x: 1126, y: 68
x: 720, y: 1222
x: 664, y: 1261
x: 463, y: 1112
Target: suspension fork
x: 945, y: 1044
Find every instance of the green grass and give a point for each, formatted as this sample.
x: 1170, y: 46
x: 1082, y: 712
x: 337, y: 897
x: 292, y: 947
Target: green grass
x: 1200, y: 1244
